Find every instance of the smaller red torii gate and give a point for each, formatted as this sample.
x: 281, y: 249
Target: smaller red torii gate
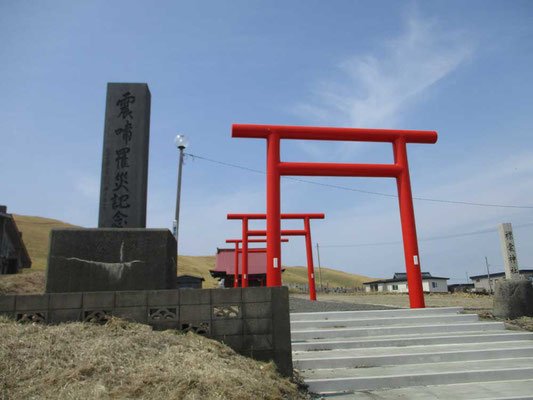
x: 238, y: 250
x: 306, y: 232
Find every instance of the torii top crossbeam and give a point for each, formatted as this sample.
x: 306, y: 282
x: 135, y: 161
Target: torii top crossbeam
x: 399, y: 170
x: 341, y: 134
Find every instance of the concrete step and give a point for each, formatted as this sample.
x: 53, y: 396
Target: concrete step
x: 357, y: 379
x: 387, y: 321
x: 393, y: 330
x: 499, y: 390
x: 412, y: 340
x: 373, y: 313
x: 423, y: 356
x: 434, y: 348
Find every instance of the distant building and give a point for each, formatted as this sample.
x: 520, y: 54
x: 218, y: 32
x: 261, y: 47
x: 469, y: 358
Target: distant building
x: 481, y: 282
x: 13, y: 253
x: 461, y: 287
x: 225, y: 268
x: 398, y: 284
x: 189, y: 282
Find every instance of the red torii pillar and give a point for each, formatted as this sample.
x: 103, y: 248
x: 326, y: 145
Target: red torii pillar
x: 237, y: 251
x: 305, y: 232
x: 399, y: 170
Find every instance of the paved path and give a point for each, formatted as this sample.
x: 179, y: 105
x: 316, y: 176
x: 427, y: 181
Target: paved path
x: 299, y: 304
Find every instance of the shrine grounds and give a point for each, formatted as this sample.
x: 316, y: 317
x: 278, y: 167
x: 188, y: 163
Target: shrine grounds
x: 468, y: 301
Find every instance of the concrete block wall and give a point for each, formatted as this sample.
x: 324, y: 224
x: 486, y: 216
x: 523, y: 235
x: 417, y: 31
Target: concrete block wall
x: 253, y: 321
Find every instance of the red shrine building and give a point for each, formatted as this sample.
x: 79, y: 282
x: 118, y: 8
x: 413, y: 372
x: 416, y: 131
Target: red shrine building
x: 225, y: 268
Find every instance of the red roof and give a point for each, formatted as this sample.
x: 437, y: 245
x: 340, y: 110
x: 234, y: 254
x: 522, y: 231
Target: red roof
x: 225, y: 262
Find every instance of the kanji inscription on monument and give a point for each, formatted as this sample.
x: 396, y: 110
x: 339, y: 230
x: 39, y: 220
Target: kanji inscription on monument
x: 509, y: 251
x: 125, y: 156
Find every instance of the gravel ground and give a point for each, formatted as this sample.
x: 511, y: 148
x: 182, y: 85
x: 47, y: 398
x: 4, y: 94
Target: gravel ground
x: 467, y: 301
x: 298, y: 304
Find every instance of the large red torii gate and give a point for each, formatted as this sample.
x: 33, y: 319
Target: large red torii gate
x: 238, y: 250
x: 306, y: 232
x: 399, y: 170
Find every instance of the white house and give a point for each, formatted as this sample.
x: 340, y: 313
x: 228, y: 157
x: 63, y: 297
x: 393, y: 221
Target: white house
x: 481, y: 282
x: 398, y: 284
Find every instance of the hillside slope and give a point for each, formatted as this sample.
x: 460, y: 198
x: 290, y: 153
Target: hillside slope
x: 36, y: 232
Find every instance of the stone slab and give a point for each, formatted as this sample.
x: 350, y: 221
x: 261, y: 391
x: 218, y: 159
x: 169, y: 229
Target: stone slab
x: 95, y: 300
x: 163, y: 297
x: 131, y: 298
x: 125, y: 156
x: 85, y: 260
x: 257, y: 326
x: 513, y: 299
x: 197, y: 296
x: 225, y: 296
x: 193, y: 312
x: 257, y: 310
x: 65, y: 300
x: 256, y: 294
x: 227, y: 327
x: 7, y: 303
x: 31, y: 302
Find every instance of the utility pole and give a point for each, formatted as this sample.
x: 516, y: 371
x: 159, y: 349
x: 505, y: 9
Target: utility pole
x: 488, y: 274
x: 181, y: 142
x: 319, y: 269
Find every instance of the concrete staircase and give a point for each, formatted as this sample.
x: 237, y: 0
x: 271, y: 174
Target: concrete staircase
x: 431, y: 353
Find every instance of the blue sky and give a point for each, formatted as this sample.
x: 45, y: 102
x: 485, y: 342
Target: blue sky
x: 460, y: 68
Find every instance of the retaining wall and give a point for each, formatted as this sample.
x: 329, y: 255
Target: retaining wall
x: 253, y: 321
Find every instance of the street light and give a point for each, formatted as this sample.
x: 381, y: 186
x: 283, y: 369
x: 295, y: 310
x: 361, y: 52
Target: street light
x: 181, y: 142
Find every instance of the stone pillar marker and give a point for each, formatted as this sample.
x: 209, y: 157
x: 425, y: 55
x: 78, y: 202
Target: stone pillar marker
x: 124, y: 179
x: 509, y: 251
x: 121, y: 254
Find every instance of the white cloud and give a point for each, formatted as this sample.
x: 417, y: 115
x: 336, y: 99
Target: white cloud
x: 373, y: 89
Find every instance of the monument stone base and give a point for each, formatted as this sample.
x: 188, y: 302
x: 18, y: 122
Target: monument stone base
x: 110, y: 259
x: 513, y: 299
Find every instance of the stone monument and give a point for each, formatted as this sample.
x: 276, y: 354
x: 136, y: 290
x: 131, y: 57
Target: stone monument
x: 509, y: 251
x: 120, y: 254
x: 513, y: 297
x: 125, y: 156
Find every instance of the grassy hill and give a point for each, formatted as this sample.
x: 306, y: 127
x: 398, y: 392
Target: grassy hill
x: 330, y: 277
x: 36, y: 232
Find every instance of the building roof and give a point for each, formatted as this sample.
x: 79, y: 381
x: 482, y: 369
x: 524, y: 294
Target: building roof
x: 461, y: 285
x: 225, y: 263
x: 13, y: 232
x: 402, y: 277
x: 498, y: 274
x: 191, y: 277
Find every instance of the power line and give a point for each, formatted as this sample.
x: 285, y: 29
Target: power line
x: 468, y: 203
x: 473, y: 233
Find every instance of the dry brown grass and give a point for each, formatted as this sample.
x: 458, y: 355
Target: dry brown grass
x: 122, y: 360
x: 330, y: 277
x: 27, y: 282
x: 36, y: 233
x: 525, y: 323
